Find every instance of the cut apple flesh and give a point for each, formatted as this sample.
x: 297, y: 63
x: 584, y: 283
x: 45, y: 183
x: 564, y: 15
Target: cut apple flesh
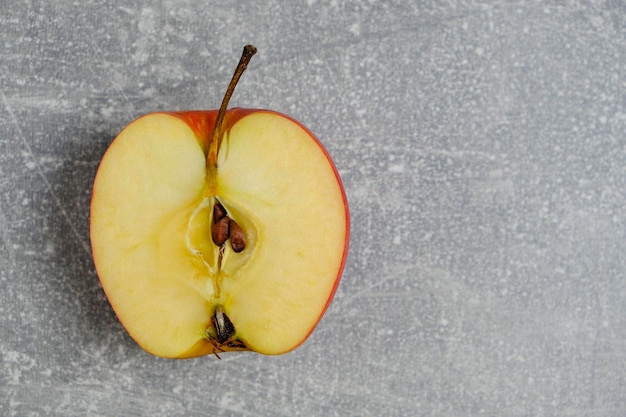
x: 151, y: 220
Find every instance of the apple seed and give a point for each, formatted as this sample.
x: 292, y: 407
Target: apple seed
x: 237, y: 237
x: 219, y: 212
x: 220, y: 231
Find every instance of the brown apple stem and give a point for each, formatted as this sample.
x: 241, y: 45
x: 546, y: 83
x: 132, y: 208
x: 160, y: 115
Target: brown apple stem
x: 218, y: 130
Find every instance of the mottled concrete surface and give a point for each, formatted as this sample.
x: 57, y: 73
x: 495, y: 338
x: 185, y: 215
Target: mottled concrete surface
x: 483, y: 149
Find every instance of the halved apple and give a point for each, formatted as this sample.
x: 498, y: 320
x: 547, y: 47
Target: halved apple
x: 218, y: 230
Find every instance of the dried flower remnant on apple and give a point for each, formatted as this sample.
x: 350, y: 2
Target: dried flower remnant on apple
x: 222, y: 333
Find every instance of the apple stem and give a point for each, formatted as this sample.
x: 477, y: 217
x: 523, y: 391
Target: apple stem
x: 218, y: 130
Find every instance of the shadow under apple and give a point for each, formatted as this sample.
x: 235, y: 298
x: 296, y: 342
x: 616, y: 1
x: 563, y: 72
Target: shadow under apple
x: 85, y: 315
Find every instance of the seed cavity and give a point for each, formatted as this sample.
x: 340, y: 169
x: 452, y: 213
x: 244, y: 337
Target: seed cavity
x: 225, y: 228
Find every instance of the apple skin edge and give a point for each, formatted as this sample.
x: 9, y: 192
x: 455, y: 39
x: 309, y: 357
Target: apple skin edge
x: 202, y: 123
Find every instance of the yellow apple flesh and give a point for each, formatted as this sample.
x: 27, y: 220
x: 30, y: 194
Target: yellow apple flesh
x: 151, y: 220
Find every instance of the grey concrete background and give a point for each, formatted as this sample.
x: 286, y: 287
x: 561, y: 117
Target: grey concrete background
x: 483, y: 149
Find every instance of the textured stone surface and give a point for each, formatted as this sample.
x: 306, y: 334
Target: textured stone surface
x: 483, y: 150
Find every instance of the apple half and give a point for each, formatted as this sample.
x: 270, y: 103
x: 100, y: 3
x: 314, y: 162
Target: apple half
x: 218, y: 230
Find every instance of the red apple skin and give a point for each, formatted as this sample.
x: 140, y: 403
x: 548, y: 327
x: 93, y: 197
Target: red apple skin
x: 202, y: 123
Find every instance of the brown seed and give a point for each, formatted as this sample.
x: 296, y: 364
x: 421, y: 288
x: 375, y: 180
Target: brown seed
x: 237, y: 237
x: 219, y: 212
x: 220, y: 231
